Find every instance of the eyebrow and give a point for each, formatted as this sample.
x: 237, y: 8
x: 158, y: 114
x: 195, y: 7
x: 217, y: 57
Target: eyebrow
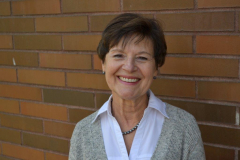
x: 120, y: 50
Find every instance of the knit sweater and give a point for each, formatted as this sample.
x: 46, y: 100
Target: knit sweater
x: 180, y: 138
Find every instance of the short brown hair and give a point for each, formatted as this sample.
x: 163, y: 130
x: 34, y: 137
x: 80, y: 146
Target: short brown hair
x: 127, y: 25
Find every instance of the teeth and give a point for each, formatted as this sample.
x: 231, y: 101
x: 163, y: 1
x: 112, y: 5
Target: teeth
x: 128, y: 80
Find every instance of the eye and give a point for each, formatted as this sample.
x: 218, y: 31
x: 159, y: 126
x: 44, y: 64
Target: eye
x: 118, y: 56
x: 142, y: 58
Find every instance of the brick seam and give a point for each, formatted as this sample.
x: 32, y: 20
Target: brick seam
x: 236, y: 155
x: 237, y: 116
x: 221, y: 146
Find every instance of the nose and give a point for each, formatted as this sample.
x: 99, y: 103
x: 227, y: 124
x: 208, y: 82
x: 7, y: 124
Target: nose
x: 129, y: 65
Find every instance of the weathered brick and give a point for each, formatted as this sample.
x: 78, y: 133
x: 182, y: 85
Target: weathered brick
x: 219, y: 153
x: 220, y: 135
x: 44, y: 111
x: 58, y: 129
x: 207, y: 112
x: 20, y: 58
x: 39, y: 42
x: 179, y: 44
x: 97, y: 62
x: 177, y: 88
x: 5, y: 8
x: 35, y: 7
x: 22, y: 123
x: 17, y: 25
x: 9, y: 106
x: 10, y: 135
x: 76, y: 115
x: 200, y: 67
x: 98, y: 23
x: 2, y: 157
x: 68, y: 97
x: 8, y: 75
x: 200, y: 21
x: 101, y: 99
x: 62, y: 24
x: 67, y: 61
x: 20, y: 92
x: 133, y: 5
x: 41, y: 77
x: 21, y: 152
x: 81, y: 42
x: 216, y: 3
x: 84, y: 80
x: 6, y: 41
x: 45, y: 142
x: 90, y: 6
x: 218, y: 44
x: 52, y: 156
x: 221, y: 91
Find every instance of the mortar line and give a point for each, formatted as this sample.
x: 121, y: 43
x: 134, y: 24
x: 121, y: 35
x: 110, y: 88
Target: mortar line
x: 121, y: 5
x: 236, y: 155
x: 236, y: 21
x: 61, y: 7
x: 89, y: 23
x: 195, y: 4
x: 11, y: 8
x: 237, y: 116
x: 194, y: 44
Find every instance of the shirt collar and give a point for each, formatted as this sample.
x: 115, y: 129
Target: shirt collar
x: 154, y: 103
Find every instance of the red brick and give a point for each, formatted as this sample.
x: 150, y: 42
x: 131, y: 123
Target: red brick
x: 199, y: 21
x: 6, y: 41
x: 179, y: 44
x: 4, y: 158
x: 35, y: 7
x: 41, y: 77
x: 58, y: 129
x: 217, y: 3
x: 90, y: 6
x: 20, y: 92
x: 10, y: 135
x: 133, y: 5
x: 62, y: 24
x: 9, y: 106
x: 81, y: 42
x: 66, y: 61
x: 76, y: 115
x: 5, y: 8
x: 8, y: 75
x: 101, y: 99
x: 83, y: 80
x: 97, y: 62
x: 99, y: 22
x: 218, y: 44
x: 221, y: 91
x: 200, y: 67
x: 17, y: 25
x: 21, y: 152
x: 44, y: 111
x: 38, y: 42
x: 219, y: 153
x: 52, y: 156
x: 176, y: 88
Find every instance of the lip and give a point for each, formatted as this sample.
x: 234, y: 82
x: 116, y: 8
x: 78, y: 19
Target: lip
x: 129, y: 77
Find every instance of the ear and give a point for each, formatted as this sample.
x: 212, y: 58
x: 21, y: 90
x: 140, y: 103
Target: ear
x: 103, y: 66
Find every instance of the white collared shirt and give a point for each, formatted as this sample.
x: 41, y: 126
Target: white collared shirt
x: 146, y: 136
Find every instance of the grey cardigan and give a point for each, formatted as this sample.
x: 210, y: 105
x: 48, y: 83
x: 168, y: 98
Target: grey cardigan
x: 180, y: 138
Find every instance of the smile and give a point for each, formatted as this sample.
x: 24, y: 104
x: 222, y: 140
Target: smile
x: 128, y: 79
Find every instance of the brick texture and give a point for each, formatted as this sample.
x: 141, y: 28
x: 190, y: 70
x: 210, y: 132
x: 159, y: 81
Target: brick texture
x: 44, y: 111
x: 132, y: 5
x: 36, y: 7
x: 216, y: 3
x: 9, y: 135
x: 76, y: 115
x: 218, y: 153
x: 6, y: 41
x: 81, y: 42
x: 9, y: 75
x: 201, y: 67
x: 38, y: 42
x: 65, y: 61
x: 4, y: 158
x: 97, y: 62
x: 22, y: 123
x: 20, y: 58
x: 17, y: 25
x: 179, y: 44
x: 201, y: 21
x: 101, y: 99
x: 218, y: 45
x: 58, y: 129
x: 44, y: 142
x: 70, y: 6
x: 62, y: 24
x: 83, y: 80
x: 5, y: 8
x: 52, y: 156
x: 219, y: 91
x: 9, y: 106
x: 20, y: 152
x: 41, y: 77
x: 20, y: 92
x: 98, y: 23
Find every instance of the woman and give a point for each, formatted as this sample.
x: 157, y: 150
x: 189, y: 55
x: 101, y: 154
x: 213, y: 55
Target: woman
x: 133, y: 124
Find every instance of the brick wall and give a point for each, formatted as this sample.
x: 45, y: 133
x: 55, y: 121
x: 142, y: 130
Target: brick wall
x: 50, y: 75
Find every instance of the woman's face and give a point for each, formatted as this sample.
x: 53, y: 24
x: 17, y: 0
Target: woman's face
x: 129, y: 71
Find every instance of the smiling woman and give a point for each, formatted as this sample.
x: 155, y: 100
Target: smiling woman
x: 134, y: 124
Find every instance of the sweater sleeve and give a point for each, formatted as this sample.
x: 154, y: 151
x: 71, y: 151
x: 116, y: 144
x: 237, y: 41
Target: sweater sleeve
x: 197, y: 152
